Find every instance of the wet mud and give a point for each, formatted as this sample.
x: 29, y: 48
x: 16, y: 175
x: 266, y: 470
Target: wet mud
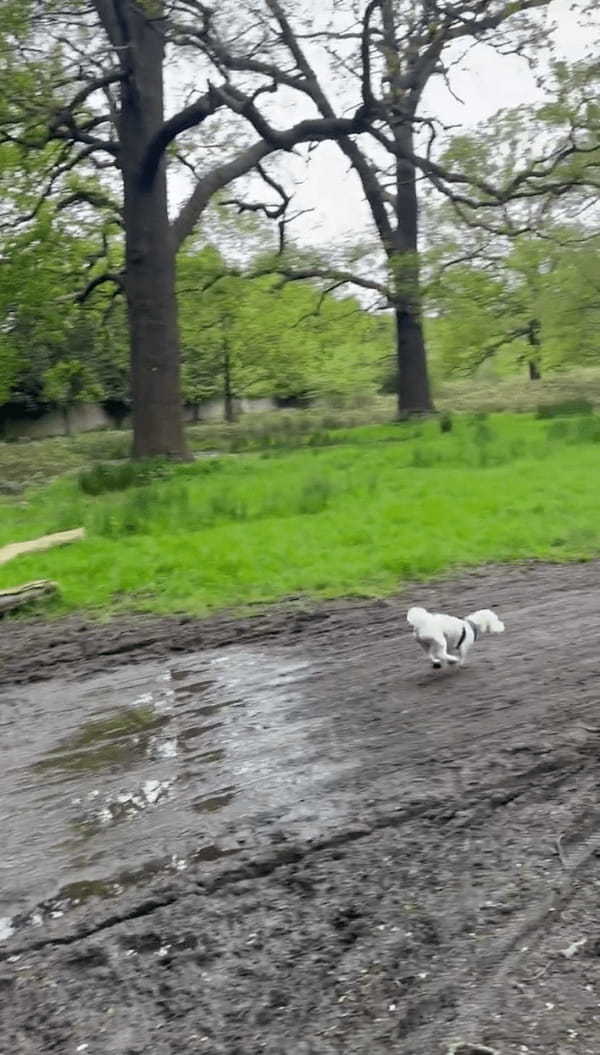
x: 284, y: 833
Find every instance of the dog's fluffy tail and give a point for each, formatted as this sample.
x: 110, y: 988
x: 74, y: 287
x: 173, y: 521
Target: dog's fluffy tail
x: 486, y: 621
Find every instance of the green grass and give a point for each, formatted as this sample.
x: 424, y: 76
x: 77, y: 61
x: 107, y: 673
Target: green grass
x: 385, y: 505
x: 516, y: 393
x: 36, y: 461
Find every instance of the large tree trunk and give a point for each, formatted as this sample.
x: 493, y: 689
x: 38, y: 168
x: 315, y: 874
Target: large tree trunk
x: 413, y: 382
x: 229, y: 406
x: 535, y: 344
x: 149, y: 250
x: 414, y: 395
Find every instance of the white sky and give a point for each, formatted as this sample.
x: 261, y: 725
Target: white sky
x: 487, y: 82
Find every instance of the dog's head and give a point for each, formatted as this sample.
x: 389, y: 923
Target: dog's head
x: 486, y: 621
x: 416, y: 616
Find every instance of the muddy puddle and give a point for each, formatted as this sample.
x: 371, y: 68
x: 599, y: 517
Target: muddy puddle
x: 108, y: 781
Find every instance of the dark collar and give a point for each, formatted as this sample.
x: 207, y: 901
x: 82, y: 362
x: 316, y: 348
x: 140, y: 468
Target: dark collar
x: 474, y: 628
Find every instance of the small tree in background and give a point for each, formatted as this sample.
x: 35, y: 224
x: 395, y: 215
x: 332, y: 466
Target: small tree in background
x: 518, y: 279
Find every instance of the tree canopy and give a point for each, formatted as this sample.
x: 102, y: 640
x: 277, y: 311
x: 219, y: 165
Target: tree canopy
x: 491, y: 232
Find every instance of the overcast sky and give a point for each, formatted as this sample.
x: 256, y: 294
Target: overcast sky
x: 486, y: 82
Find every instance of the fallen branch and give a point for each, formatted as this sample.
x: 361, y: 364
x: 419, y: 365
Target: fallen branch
x: 19, y: 596
x: 61, y: 538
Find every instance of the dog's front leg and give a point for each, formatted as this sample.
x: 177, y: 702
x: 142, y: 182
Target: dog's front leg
x: 436, y: 655
x: 439, y: 655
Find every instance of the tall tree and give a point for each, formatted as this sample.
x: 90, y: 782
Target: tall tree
x: 386, y: 55
x: 84, y: 84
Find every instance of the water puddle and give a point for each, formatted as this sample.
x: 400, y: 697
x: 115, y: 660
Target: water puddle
x: 118, y: 740
x: 122, y: 807
x: 110, y: 781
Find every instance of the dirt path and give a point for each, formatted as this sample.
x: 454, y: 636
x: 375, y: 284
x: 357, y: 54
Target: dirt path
x: 284, y: 834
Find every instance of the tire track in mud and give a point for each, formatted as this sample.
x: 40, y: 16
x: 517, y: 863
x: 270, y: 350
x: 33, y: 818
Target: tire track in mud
x: 479, y: 987
x: 466, y: 808
x: 433, y: 1005
x: 507, y: 954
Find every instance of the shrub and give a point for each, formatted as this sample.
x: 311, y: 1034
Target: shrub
x: 314, y: 495
x: 106, y: 477
x: 582, y: 430
x: 565, y: 408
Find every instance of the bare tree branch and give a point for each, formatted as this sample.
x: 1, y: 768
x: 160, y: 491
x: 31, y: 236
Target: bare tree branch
x: 100, y: 280
x: 339, y: 276
x: 191, y: 117
x: 219, y: 177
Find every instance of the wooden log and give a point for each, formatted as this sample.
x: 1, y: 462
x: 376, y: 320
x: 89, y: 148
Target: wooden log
x: 19, y: 596
x: 60, y: 538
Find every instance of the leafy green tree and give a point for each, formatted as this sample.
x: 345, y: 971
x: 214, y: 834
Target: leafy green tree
x: 42, y: 319
x: 569, y: 308
x: 515, y: 279
x: 254, y: 334
x: 532, y: 301
x: 243, y: 334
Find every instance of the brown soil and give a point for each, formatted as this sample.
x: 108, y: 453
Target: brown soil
x: 286, y: 834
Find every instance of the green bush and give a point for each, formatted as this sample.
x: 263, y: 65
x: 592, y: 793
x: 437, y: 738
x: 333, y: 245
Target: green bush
x: 565, y: 408
x: 582, y: 430
x: 106, y: 477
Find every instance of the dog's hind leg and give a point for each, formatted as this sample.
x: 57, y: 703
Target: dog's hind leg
x: 462, y: 653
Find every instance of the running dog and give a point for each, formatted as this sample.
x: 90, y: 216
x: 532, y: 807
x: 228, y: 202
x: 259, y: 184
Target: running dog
x: 446, y: 639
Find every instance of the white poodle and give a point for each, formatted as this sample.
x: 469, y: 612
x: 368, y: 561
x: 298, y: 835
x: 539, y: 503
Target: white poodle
x: 440, y: 635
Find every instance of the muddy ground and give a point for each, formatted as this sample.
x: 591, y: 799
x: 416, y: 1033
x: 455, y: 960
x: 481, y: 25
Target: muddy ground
x: 285, y: 834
